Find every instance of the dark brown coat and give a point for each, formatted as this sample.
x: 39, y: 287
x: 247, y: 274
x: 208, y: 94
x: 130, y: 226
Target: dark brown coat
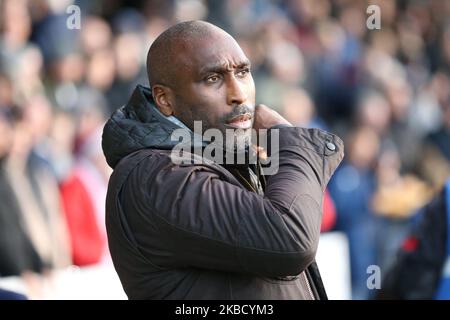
x: 196, y: 232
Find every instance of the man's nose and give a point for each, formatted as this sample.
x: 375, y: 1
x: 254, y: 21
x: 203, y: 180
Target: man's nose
x: 236, y: 92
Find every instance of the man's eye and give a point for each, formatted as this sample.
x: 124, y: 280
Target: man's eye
x: 212, y: 79
x: 243, y: 72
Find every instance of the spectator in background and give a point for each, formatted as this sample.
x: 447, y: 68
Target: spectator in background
x: 435, y: 160
x: 35, y: 187
x: 128, y: 50
x: 394, y: 192
x: 17, y: 253
x: 84, y: 190
x: 16, y: 29
x: 421, y: 267
x: 298, y: 108
x: 352, y: 189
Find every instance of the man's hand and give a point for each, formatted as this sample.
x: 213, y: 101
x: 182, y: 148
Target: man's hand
x: 266, y: 118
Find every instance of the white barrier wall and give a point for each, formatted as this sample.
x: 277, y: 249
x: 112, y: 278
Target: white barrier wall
x: 73, y: 283
x: 333, y: 260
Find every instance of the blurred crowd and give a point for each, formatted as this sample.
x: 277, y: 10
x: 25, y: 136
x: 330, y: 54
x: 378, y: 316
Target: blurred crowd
x: 386, y: 92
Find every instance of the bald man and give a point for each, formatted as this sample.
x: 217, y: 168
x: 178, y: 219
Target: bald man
x: 210, y: 229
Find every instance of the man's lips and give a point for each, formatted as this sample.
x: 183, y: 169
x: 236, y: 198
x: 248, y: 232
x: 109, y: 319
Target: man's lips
x: 243, y: 121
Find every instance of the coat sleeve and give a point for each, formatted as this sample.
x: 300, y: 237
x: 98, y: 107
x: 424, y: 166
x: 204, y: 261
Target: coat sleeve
x: 190, y: 216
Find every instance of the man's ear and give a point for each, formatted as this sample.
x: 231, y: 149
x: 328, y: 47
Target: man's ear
x: 163, y: 99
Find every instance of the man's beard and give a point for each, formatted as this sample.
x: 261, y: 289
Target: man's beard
x: 241, y: 138
x: 233, y: 140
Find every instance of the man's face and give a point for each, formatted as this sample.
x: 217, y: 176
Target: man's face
x: 215, y: 85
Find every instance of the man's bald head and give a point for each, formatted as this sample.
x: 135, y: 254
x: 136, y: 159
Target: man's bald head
x: 198, y: 72
x: 163, y: 53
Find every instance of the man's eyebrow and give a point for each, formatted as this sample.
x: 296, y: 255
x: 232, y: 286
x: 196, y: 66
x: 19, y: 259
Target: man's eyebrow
x: 220, y: 68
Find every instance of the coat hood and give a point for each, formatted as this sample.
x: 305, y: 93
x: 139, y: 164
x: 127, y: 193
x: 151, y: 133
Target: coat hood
x: 137, y: 125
